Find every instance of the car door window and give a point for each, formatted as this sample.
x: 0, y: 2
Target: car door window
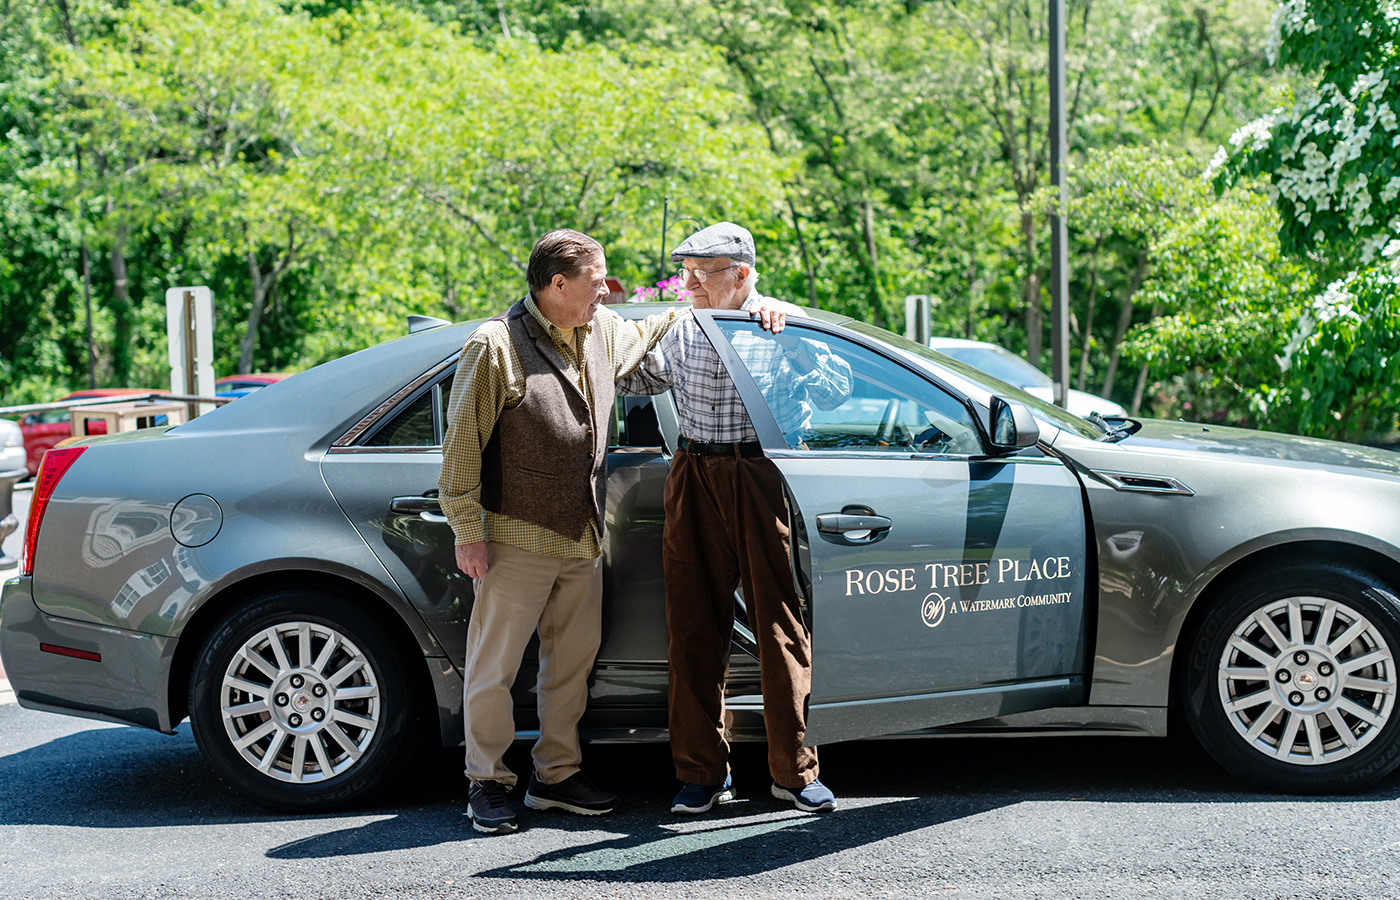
x: 886, y: 407
x: 420, y: 423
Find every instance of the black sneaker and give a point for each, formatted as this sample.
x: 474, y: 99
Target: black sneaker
x: 694, y: 799
x: 576, y: 794
x: 488, y: 809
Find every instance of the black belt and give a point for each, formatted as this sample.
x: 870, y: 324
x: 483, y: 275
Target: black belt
x: 716, y: 448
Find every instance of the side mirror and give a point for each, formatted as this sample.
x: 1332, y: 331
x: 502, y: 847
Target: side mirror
x: 1013, y: 426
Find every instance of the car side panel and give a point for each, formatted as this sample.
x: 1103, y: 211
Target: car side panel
x: 266, y: 511
x: 1160, y: 553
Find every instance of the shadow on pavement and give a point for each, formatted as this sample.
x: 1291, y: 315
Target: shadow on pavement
x: 125, y: 777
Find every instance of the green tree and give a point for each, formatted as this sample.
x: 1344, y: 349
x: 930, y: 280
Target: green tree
x: 1333, y: 172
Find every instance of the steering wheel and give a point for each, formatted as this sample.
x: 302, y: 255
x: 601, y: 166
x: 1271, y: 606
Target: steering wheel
x: 933, y: 440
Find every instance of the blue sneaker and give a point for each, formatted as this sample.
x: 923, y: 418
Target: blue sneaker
x: 701, y: 798
x: 815, y: 797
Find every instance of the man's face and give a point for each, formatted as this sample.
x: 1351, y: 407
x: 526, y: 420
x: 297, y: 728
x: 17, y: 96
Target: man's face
x: 575, y: 299
x: 720, y: 289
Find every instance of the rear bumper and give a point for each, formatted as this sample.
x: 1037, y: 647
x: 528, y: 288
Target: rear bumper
x: 129, y: 685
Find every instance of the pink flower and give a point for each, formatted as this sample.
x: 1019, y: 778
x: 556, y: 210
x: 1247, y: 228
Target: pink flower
x: 672, y: 288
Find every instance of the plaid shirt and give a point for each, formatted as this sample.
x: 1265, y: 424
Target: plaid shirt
x: 490, y: 378
x: 708, y: 402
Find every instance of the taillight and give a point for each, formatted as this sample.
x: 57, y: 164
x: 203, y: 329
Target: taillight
x: 55, y: 464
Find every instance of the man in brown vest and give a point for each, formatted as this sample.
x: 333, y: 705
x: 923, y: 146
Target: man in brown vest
x: 522, y: 484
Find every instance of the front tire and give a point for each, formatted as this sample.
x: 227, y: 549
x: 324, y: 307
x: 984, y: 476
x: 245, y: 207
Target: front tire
x: 1291, y: 680
x: 301, y: 701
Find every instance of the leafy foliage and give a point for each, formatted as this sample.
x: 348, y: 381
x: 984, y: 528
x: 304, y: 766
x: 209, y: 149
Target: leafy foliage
x: 330, y: 165
x: 1333, y: 171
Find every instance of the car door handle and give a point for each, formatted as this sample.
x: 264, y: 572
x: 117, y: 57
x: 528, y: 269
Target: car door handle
x: 853, y: 526
x: 425, y: 507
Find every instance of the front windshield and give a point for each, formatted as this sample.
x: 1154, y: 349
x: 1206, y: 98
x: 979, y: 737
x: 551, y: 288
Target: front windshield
x: 1046, y: 412
x: 999, y: 363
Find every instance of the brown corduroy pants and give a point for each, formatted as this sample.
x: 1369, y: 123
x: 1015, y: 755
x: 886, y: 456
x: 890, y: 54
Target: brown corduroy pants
x: 726, y: 525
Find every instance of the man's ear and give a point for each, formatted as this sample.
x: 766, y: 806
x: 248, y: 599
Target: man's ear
x: 557, y: 282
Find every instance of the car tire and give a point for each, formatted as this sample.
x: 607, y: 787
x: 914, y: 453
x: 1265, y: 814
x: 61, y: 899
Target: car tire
x: 301, y: 701
x: 1285, y: 705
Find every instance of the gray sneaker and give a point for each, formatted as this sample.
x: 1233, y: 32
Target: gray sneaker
x: 575, y: 794
x: 488, y: 809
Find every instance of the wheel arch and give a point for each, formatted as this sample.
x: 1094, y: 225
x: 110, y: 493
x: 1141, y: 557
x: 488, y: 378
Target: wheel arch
x: 217, y: 606
x: 1333, y: 552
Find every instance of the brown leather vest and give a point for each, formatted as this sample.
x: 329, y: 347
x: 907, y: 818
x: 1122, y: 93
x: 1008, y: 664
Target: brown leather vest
x: 547, y: 458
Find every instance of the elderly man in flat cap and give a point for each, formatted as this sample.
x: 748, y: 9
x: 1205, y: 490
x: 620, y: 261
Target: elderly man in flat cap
x: 726, y: 524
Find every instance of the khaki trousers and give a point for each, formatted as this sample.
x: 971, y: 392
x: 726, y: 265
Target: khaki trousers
x: 520, y: 593
x: 726, y: 524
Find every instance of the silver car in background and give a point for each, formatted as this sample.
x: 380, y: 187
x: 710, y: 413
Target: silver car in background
x: 1002, y: 364
x: 971, y: 560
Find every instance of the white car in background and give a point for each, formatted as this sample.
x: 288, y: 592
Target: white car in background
x: 1012, y: 369
x: 12, y: 470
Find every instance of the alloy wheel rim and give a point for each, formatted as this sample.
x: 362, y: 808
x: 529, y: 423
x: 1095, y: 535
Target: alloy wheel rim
x: 300, y: 702
x: 1307, y: 681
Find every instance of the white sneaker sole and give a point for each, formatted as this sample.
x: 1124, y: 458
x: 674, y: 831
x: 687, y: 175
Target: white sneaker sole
x: 725, y: 796
x: 499, y: 828
x: 785, y: 794
x: 543, y: 803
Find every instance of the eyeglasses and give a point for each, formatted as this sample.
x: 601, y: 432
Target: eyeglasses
x: 700, y: 274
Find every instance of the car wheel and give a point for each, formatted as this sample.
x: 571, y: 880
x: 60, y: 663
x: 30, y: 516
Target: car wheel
x: 301, y: 701
x: 1291, y: 680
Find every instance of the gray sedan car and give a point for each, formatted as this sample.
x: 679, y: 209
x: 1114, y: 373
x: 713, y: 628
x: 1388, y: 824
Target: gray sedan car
x: 972, y: 561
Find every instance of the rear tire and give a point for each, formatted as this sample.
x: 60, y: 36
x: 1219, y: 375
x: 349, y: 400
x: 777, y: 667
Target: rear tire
x: 1291, y: 679
x: 301, y: 701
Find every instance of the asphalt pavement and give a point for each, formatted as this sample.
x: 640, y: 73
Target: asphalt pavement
x: 89, y: 810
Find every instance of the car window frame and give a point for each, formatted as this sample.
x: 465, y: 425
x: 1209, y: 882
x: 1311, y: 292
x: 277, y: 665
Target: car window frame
x: 354, y: 439
x: 769, y: 433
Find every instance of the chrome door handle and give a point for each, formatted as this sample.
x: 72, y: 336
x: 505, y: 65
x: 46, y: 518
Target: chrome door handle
x: 409, y: 506
x: 853, y: 525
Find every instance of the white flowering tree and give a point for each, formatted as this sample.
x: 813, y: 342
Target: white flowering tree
x: 1332, y: 166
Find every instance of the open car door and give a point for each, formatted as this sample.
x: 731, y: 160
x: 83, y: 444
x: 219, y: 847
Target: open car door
x: 945, y: 584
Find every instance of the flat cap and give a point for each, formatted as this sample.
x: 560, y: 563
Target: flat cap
x: 721, y: 239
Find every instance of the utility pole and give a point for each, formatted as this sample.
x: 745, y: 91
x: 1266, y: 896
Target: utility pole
x: 87, y: 277
x: 1059, y: 232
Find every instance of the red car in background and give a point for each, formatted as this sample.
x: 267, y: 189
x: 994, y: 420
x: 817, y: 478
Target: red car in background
x: 44, y: 429
x: 247, y: 382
